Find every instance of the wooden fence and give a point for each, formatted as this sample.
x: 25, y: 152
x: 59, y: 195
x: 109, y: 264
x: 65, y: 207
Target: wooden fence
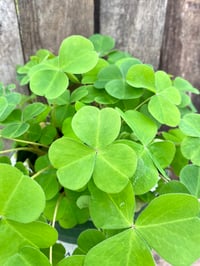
x: 165, y: 33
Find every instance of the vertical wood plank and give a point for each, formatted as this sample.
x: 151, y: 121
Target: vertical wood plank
x: 181, y: 43
x: 44, y: 24
x: 137, y: 26
x: 10, y: 45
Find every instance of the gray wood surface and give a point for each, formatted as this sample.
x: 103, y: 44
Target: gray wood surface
x: 136, y: 25
x: 10, y: 45
x: 181, y: 43
x: 44, y: 24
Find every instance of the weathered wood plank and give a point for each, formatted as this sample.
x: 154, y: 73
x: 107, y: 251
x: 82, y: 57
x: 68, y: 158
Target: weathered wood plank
x: 136, y: 25
x: 10, y: 45
x: 44, y: 24
x: 181, y: 44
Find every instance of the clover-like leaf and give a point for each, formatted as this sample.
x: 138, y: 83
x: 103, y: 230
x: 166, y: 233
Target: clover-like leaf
x: 15, y: 129
x: 8, y: 104
x: 141, y: 76
x: 190, y: 177
x: 28, y: 256
x: 49, y: 83
x: 97, y: 128
x: 102, y: 43
x: 32, y: 110
x: 170, y: 225
x: 143, y: 127
x: 76, y: 163
x: 112, y: 211
x: 190, y: 147
x: 19, y: 235
x: 75, y: 260
x: 16, y: 204
x: 164, y: 110
x: 112, y: 172
x: 190, y: 125
x: 77, y: 55
x: 113, y: 252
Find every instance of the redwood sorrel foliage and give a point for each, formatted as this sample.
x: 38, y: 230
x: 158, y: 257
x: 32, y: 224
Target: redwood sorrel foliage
x: 114, y: 142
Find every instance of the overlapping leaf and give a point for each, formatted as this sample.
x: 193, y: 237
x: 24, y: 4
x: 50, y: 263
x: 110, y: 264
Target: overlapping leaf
x: 16, y: 204
x: 190, y: 177
x: 170, y: 225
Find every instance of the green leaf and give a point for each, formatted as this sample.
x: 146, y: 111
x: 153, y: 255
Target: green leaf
x: 70, y: 214
x: 183, y: 85
x: 77, y: 55
x: 141, y: 76
x: 163, y: 151
x: 173, y: 186
x: 164, y: 110
x: 143, y: 127
x: 97, y: 128
x: 190, y: 125
x: 49, y: 83
x: 48, y: 134
x: 125, y: 248
x: 75, y: 260
x: 162, y: 80
x: 190, y: 147
x: 88, y: 239
x: 171, y: 227
x: 17, y: 235
x: 16, y: 204
x: 190, y: 177
x: 112, y: 172
x: 58, y: 253
x: 8, y: 104
x: 14, y: 130
x: 112, y: 211
x: 28, y: 256
x: 32, y: 110
x: 74, y: 161
x: 102, y: 43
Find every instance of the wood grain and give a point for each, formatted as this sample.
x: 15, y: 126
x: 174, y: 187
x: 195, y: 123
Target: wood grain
x: 136, y: 25
x: 44, y: 24
x: 181, y: 43
x: 10, y: 45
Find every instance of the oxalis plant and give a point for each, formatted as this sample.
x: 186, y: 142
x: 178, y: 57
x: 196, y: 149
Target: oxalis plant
x: 113, y: 142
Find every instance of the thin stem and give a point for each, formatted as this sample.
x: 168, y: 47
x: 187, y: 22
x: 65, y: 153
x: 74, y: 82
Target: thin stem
x: 40, y: 172
x: 146, y: 100
x: 53, y: 225
x: 25, y: 141
x: 16, y: 149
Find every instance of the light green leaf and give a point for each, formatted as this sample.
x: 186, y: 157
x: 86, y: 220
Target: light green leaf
x: 126, y: 248
x: 17, y: 235
x: 190, y: 147
x: 91, y: 76
x: 163, y: 151
x: 183, y: 85
x: 102, y: 43
x: 88, y: 239
x: 141, y: 76
x: 49, y: 83
x: 143, y: 127
x: 3, y: 106
x: 164, y: 110
x: 190, y: 125
x: 28, y: 256
x: 172, y: 95
x: 173, y: 186
x: 162, y: 80
x: 15, y: 129
x: 77, y: 55
x: 190, y: 177
x: 32, y: 110
x: 8, y: 104
x: 48, y: 134
x: 16, y: 204
x: 75, y: 260
x: 74, y: 161
x: 112, y: 172
x: 171, y: 227
x: 112, y: 211
x: 97, y: 128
